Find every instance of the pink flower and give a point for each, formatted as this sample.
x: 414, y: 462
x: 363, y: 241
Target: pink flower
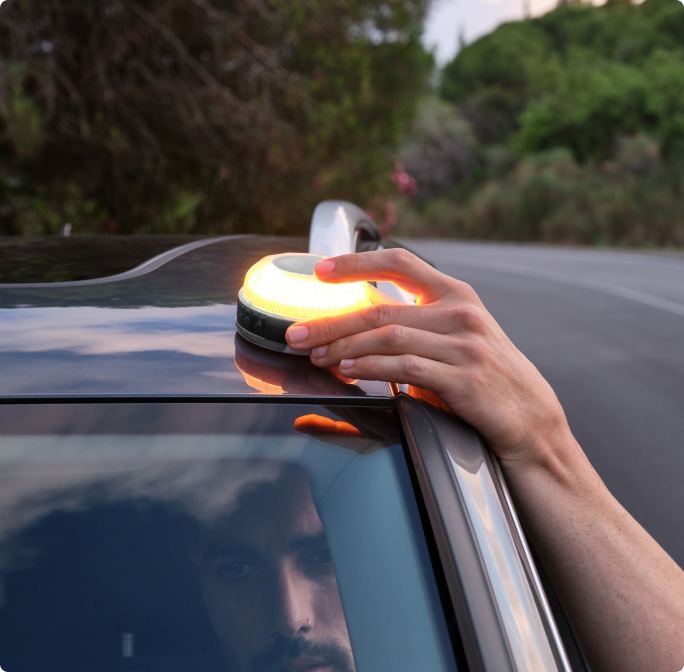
x: 405, y: 183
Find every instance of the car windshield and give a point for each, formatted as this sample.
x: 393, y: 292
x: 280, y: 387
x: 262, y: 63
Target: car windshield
x: 175, y: 536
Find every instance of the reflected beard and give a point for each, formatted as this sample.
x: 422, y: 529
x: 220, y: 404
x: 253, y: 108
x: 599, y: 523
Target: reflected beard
x: 286, y: 651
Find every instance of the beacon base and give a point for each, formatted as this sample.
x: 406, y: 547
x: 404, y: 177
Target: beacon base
x: 263, y: 328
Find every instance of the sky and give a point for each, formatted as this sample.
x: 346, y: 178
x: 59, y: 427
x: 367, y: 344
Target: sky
x: 472, y: 19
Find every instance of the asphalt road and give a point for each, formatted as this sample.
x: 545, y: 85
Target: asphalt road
x: 606, y: 329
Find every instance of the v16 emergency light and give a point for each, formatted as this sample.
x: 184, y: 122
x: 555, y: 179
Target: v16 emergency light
x: 281, y: 290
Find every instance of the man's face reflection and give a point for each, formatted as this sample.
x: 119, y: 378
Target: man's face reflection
x: 269, y: 584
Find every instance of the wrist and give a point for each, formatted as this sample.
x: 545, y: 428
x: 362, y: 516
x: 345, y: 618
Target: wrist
x: 552, y: 460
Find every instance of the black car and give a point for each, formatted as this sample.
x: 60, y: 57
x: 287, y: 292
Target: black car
x: 175, y: 497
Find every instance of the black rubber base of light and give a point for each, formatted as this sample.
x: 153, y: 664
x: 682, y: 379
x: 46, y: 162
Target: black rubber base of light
x: 263, y: 328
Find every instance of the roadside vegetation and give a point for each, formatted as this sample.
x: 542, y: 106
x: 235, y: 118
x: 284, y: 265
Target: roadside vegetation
x: 196, y: 117
x: 200, y: 116
x: 564, y: 128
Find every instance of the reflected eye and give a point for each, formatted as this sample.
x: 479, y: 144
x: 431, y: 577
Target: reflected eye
x: 236, y: 569
x: 323, y: 557
x: 319, y: 563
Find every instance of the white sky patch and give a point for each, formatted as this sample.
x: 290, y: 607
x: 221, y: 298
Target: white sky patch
x: 448, y: 19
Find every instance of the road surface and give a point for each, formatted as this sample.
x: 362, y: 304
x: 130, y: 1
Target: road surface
x: 606, y: 329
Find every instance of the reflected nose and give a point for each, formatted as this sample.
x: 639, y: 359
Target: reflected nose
x: 295, y: 612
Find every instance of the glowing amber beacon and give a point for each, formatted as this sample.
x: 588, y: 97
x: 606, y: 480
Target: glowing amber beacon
x: 282, y: 289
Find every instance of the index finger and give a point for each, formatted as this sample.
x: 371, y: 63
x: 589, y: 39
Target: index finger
x: 396, y: 265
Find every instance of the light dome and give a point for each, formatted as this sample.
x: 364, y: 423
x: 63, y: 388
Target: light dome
x: 282, y: 289
x: 285, y: 285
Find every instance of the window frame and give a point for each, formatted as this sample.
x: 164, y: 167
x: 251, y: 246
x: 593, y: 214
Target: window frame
x: 472, y: 607
x: 382, y: 403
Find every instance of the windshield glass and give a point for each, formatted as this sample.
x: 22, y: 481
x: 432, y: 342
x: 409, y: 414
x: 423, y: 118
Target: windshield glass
x: 227, y: 537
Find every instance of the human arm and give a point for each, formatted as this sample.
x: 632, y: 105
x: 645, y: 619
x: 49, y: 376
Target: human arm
x: 623, y: 595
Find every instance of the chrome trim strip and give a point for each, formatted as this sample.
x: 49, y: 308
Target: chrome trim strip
x: 146, y: 267
x: 500, y: 619
x: 517, y: 607
x: 528, y: 561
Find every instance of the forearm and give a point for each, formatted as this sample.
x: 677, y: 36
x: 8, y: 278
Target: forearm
x: 623, y: 595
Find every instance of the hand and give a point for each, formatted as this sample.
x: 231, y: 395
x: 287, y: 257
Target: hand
x: 448, y: 343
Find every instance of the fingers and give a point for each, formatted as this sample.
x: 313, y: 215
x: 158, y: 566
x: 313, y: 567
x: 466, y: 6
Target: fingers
x: 396, y: 265
x: 463, y: 318
x: 425, y: 373
x: 390, y: 340
x: 306, y: 335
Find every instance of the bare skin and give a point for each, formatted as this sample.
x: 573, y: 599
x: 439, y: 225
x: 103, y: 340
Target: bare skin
x: 623, y: 594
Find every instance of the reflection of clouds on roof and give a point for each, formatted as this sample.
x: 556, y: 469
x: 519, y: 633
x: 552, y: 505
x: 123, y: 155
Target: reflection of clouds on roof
x: 205, y: 489
x: 61, y: 351
x: 205, y: 331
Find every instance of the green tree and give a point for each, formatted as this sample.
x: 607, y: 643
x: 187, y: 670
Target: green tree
x: 605, y: 70
x: 200, y: 115
x: 492, y: 79
x: 507, y: 59
x: 597, y: 104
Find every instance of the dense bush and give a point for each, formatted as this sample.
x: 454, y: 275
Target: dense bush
x: 200, y: 115
x: 633, y: 200
x: 579, y: 120
x: 597, y: 103
x: 577, y: 77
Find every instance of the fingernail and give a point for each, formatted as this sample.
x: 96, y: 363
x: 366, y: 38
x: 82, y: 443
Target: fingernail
x: 319, y: 351
x: 297, y: 334
x: 325, y: 267
x: 347, y: 364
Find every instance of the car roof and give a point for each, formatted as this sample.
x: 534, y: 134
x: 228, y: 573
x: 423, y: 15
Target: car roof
x: 166, y: 328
